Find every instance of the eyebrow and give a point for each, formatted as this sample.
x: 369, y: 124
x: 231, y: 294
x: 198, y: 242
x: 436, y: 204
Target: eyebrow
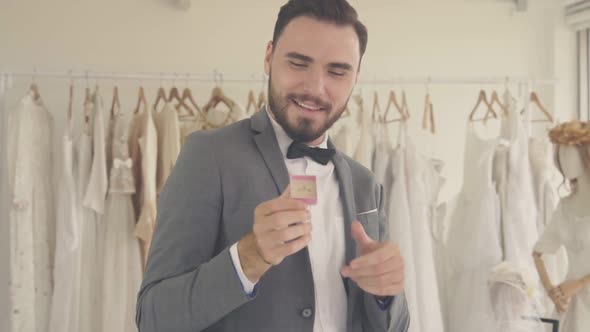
x: 305, y: 58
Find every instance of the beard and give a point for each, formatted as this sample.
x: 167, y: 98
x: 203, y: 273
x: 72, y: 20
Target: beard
x: 301, y: 129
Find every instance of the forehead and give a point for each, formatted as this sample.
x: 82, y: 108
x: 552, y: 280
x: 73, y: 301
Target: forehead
x: 323, y: 41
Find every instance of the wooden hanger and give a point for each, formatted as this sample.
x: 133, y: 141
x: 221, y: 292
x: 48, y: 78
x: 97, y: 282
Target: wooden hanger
x: 428, y: 115
x: 401, y: 110
x: 496, y: 99
x: 35, y: 91
x: 161, y: 95
x: 482, y: 98
x: 187, y: 95
x: 116, y: 102
x: 217, y: 96
x: 174, y: 95
x: 252, y: 102
x: 141, y: 100
x: 547, y: 116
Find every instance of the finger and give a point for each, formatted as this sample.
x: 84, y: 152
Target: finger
x: 360, y: 236
x: 387, y: 291
x: 277, y: 205
x: 285, y: 219
x: 293, y: 247
x: 382, y: 280
x: 378, y: 256
x: 393, y: 264
x: 290, y: 233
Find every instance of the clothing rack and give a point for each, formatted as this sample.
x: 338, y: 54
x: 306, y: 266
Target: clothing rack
x: 218, y: 78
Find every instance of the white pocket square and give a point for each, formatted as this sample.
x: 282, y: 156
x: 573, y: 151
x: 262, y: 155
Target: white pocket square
x: 366, y: 212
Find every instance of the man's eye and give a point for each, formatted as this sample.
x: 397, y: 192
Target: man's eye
x: 337, y: 73
x: 298, y: 64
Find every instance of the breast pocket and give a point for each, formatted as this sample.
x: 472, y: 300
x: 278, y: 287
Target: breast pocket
x: 370, y: 222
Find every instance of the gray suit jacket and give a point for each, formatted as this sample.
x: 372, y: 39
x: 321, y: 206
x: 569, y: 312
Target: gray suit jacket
x: 207, y: 205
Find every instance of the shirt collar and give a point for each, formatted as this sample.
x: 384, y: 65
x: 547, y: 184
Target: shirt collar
x: 284, y: 140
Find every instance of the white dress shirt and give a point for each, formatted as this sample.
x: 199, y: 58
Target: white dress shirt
x: 326, y: 248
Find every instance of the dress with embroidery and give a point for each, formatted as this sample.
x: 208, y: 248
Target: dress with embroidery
x: 122, y: 258
x: 31, y: 222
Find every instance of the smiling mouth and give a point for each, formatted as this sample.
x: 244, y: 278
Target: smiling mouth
x: 308, y: 106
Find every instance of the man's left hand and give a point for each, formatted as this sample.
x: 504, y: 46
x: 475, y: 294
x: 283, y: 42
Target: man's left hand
x: 380, y: 268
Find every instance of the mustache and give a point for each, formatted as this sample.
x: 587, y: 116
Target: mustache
x: 309, y: 98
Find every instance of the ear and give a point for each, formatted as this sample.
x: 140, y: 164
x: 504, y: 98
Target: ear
x: 268, y: 57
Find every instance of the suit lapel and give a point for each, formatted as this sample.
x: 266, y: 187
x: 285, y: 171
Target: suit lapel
x: 266, y: 141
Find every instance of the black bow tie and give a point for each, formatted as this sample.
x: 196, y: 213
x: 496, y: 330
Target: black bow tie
x: 298, y: 150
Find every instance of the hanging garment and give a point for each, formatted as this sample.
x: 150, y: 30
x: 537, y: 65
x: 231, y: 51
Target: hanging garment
x: 167, y: 126
x: 122, y: 258
x: 189, y: 124
x: 218, y: 118
x: 93, y: 184
x: 519, y: 216
x: 382, y: 167
x: 422, y: 182
x: 66, y: 272
x: 31, y: 221
x: 343, y: 138
x: 400, y: 228
x: 143, y: 147
x: 473, y: 244
x: 4, y: 211
x: 364, y: 149
x: 573, y: 233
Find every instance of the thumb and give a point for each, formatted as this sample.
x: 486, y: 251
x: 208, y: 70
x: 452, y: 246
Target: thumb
x: 359, y: 235
x: 287, y: 192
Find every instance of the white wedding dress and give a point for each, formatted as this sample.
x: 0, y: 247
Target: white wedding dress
x: 400, y: 229
x: 92, y: 188
x: 31, y: 215
x: 122, y: 258
x: 573, y: 233
x: 66, y: 272
x: 422, y: 182
x: 473, y: 243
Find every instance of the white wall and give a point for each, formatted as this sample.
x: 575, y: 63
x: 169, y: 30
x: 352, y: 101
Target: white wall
x: 452, y: 38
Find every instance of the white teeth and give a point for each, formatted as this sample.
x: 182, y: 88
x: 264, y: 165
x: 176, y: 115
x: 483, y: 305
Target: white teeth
x: 311, y: 107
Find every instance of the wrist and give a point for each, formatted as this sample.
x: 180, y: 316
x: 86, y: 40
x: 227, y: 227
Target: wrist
x: 252, y: 263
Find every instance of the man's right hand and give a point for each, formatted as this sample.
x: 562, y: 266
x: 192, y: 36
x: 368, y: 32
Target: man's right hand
x: 282, y: 227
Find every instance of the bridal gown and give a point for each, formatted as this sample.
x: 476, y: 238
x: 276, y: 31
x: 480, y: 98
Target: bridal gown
x: 473, y: 243
x: 31, y: 222
x: 122, y: 259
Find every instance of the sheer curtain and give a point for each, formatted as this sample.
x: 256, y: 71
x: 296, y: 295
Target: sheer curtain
x: 577, y: 15
x: 4, y: 201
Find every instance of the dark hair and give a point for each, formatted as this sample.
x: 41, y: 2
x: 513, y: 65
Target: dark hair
x: 339, y: 12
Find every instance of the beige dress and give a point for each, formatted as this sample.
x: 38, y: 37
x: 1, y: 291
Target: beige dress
x: 168, y: 128
x: 143, y: 147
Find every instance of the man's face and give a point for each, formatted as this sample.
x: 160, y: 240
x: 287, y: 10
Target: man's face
x: 312, y: 70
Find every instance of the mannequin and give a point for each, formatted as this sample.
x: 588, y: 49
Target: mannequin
x: 570, y: 227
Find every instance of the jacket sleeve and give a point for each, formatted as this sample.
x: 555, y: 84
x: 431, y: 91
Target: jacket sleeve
x: 397, y: 317
x: 189, y: 283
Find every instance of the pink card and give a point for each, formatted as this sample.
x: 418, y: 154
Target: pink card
x: 303, y: 188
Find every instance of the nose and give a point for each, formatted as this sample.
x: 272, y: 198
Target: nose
x: 314, y: 83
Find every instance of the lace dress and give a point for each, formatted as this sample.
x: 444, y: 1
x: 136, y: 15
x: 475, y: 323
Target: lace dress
x: 122, y: 258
